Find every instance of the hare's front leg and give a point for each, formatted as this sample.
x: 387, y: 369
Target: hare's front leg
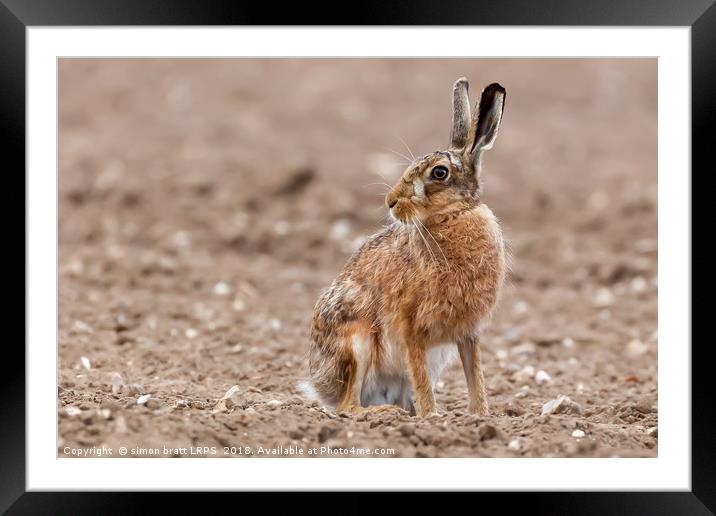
x: 469, y: 348
x: 420, y: 378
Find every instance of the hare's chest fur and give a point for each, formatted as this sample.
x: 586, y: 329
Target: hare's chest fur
x: 461, y: 285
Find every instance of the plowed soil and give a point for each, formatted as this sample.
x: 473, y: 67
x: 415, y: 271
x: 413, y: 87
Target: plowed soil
x: 205, y: 203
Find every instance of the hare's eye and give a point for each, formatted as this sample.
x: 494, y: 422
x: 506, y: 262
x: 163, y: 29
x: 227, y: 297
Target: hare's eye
x: 440, y: 173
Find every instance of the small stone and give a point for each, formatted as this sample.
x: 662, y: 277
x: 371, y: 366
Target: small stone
x: 514, y: 445
x: 144, y: 398
x: 653, y: 431
x: 603, y: 298
x: 542, y: 377
x: 117, y: 382
x: 638, y: 284
x: 191, y: 333
x: 121, y: 322
x: 440, y: 384
x: 153, y: 403
x: 222, y: 289
x: 275, y: 324
x: 578, y: 434
x: 514, y: 409
x: 524, y: 374
x: 282, y: 228
x: 72, y: 411
x: 81, y: 327
x: 340, y: 229
x: 486, y: 432
x: 134, y: 388
x: 406, y: 430
x: 526, y: 348
x: 104, y: 413
x: 520, y: 308
x: 636, y: 348
x: 512, y: 334
x: 85, y: 363
x: 561, y: 405
x: 501, y: 354
x: 349, y: 434
x: 568, y: 342
x: 273, y: 403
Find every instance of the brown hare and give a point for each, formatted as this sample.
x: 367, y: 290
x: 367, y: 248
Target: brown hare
x: 390, y: 323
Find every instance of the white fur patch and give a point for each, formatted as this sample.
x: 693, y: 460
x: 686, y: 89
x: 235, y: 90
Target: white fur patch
x: 418, y: 188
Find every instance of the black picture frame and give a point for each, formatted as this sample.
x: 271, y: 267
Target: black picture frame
x: 17, y: 15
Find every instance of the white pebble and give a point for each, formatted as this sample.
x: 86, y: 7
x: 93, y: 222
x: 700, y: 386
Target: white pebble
x: 273, y: 403
x: 222, y: 289
x: 580, y: 387
x: 349, y: 434
x: 520, y: 308
x: 81, y: 327
x: 524, y: 374
x: 514, y: 445
x: 568, y: 343
x: 561, y: 404
x: 191, y: 333
x: 143, y: 399
x: 636, y: 348
x: 440, y: 384
x: 72, y: 411
x: 85, y: 363
x: 572, y: 361
x: 275, y: 324
x: 578, y: 434
x: 281, y: 228
x: 239, y: 305
x: 603, y: 297
x: 181, y: 239
x: 501, y: 354
x: 105, y: 413
x: 117, y: 382
x: 340, y: 229
x: 542, y: 377
x: 233, y: 390
x: 638, y: 284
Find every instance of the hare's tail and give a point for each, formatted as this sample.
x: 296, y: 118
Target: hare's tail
x: 306, y: 388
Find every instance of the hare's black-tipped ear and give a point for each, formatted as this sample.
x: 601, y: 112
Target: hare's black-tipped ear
x: 486, y: 120
x: 460, y: 114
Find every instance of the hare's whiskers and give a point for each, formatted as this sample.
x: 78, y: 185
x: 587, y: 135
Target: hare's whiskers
x: 407, y: 148
x: 435, y: 262
x: 447, y: 264
x: 408, y: 161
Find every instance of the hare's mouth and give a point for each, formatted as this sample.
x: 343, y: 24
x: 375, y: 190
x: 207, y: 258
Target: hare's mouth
x: 403, y: 211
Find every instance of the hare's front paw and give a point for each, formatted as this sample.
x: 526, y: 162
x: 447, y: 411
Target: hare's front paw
x: 479, y: 409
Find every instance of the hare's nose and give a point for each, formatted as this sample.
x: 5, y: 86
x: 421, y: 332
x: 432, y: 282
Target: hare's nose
x: 392, y: 202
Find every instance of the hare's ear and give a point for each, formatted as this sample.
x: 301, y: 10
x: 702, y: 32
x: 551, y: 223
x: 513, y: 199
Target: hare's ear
x: 460, y: 114
x: 486, y: 120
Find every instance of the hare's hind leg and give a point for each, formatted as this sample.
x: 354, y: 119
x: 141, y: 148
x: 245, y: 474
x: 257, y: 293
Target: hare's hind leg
x: 356, y: 371
x: 355, y: 365
x: 469, y: 348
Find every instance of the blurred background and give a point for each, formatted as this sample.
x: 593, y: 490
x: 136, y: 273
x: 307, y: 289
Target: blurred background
x: 205, y: 202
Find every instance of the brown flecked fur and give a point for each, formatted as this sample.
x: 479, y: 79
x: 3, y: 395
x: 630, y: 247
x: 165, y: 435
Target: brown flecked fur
x: 432, y: 276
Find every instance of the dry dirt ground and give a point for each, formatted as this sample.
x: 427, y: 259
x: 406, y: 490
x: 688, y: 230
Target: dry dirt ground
x: 205, y: 203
